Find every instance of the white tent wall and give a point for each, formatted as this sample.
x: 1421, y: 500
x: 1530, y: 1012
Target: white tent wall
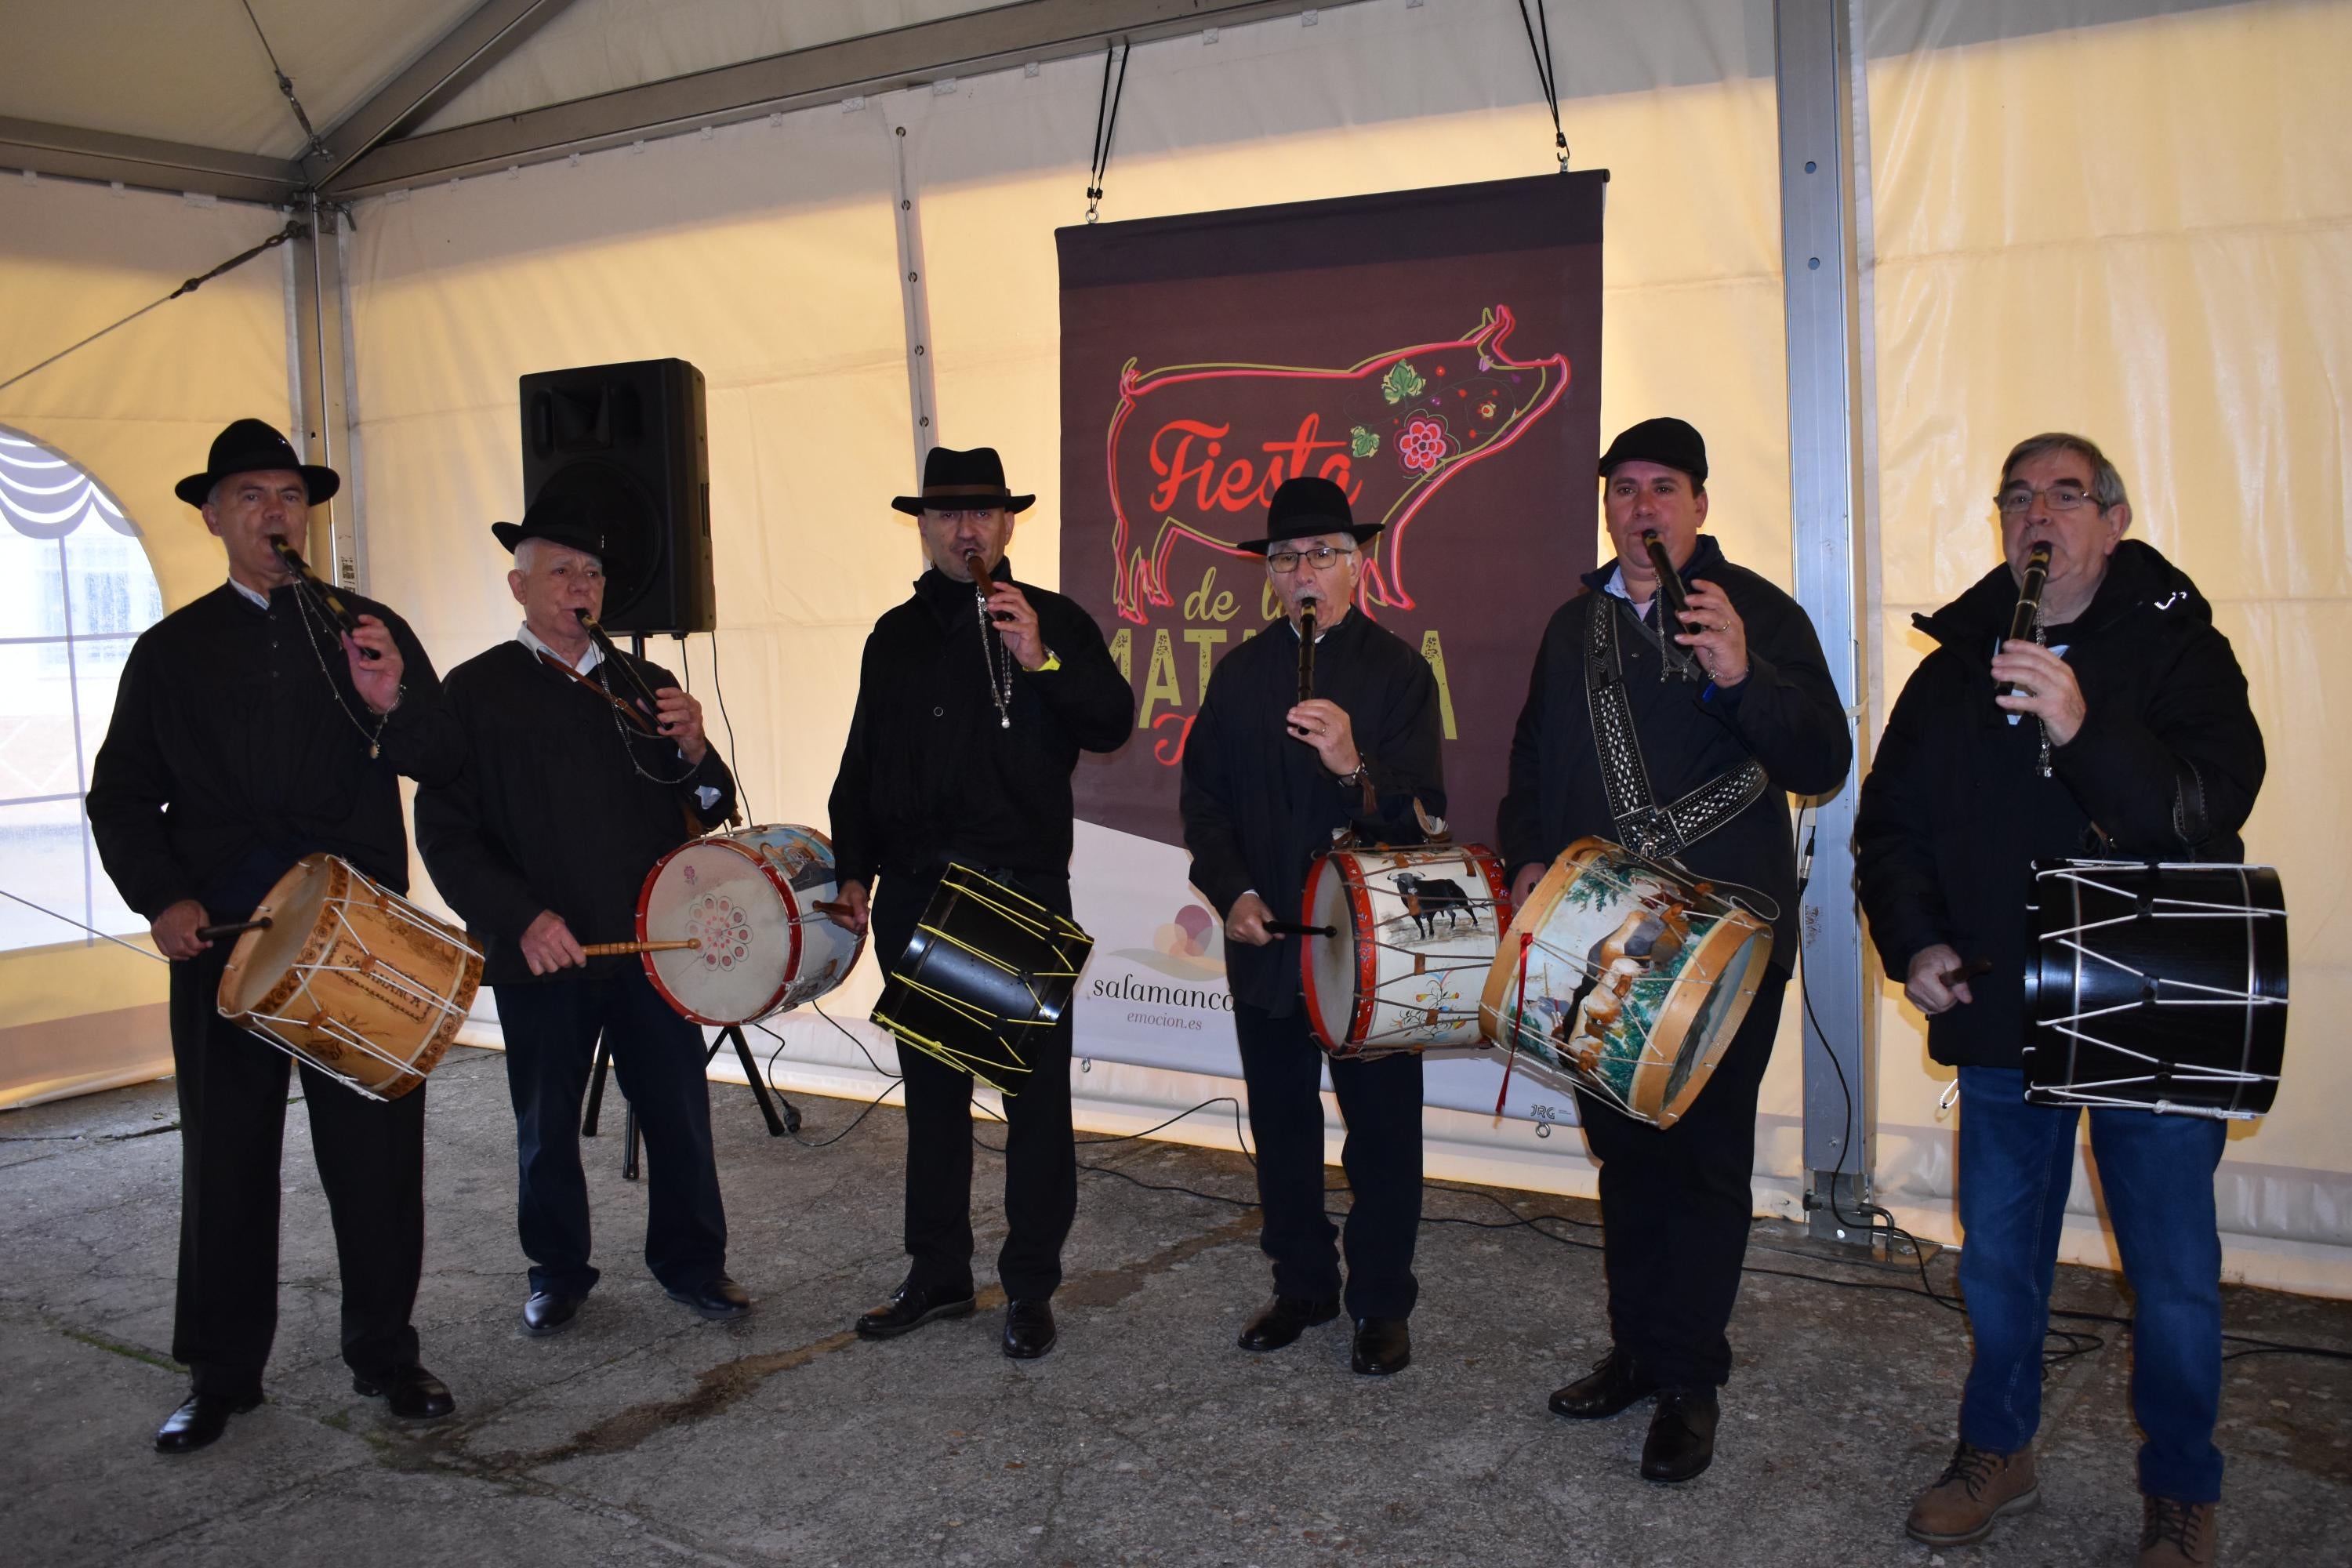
x: 136, y: 410
x: 2141, y: 230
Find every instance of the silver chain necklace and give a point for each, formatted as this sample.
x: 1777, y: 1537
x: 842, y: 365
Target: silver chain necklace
x: 999, y: 682
x: 312, y: 626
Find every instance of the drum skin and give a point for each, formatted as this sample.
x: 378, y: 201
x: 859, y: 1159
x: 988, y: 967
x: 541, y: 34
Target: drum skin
x: 1624, y: 978
x: 1417, y: 929
x: 747, y: 897
x: 352, y: 977
x: 2163, y: 987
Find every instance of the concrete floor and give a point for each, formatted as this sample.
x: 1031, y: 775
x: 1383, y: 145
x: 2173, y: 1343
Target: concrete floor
x: 646, y: 1437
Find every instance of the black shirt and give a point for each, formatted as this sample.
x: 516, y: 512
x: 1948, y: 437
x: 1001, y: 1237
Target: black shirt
x: 563, y: 804
x: 930, y: 775
x: 232, y: 753
x: 1786, y: 715
x: 1258, y: 805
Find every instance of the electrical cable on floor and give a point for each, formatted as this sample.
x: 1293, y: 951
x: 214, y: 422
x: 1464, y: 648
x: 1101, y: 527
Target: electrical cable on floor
x: 2070, y: 1345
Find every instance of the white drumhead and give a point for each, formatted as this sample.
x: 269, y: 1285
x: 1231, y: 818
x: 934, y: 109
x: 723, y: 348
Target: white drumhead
x: 713, y: 891
x: 1329, y: 965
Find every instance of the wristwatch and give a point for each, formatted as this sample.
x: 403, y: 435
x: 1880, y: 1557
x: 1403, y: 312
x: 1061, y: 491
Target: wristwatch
x: 1053, y: 661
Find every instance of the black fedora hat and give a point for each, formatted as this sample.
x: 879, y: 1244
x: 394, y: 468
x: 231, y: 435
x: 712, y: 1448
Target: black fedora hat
x: 255, y: 446
x: 1305, y: 507
x: 1666, y: 441
x: 599, y: 511
x: 960, y: 481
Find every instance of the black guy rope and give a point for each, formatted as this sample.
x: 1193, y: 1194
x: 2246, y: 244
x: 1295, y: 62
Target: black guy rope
x: 317, y: 148
x: 291, y: 231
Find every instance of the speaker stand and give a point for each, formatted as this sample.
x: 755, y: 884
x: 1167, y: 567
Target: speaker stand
x: 778, y: 1126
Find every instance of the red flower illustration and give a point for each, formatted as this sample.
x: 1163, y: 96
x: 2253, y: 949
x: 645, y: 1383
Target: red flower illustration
x: 1422, y: 446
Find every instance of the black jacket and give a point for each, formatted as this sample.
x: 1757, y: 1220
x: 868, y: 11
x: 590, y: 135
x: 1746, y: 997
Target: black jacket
x: 553, y: 809
x: 1954, y: 810
x: 230, y: 756
x: 1786, y: 714
x: 928, y: 773
x: 1259, y: 805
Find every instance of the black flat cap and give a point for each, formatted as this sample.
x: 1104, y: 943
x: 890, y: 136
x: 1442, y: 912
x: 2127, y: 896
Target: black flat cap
x: 1669, y: 442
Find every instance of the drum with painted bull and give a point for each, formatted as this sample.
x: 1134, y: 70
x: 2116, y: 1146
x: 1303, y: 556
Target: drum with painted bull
x: 1625, y: 978
x: 1413, y: 935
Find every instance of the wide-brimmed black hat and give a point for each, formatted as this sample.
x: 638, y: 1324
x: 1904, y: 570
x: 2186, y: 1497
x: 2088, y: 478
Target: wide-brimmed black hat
x: 961, y: 481
x: 1667, y: 441
x: 592, y: 508
x: 1305, y: 507
x: 255, y: 446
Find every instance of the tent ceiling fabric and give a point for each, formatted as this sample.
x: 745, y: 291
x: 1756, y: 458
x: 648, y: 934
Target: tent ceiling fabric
x: 193, y: 72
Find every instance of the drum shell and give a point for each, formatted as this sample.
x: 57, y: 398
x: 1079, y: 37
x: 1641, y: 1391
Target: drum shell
x: 2204, y: 957
x: 363, y: 960
x: 1388, y: 938
x: 1673, y: 1017
x: 803, y: 954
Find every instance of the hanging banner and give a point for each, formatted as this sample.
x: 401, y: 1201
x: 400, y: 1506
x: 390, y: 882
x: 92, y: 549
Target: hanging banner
x: 1436, y: 353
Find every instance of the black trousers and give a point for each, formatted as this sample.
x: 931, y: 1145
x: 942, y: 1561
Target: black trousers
x: 231, y: 1087
x: 1675, y: 1207
x: 1379, y: 1100
x: 551, y: 1027
x: 1041, y: 1168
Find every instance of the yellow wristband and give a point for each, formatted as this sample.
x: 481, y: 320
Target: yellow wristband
x: 1053, y: 661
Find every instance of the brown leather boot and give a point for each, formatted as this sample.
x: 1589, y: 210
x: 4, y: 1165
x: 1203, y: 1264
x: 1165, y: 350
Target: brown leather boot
x: 2175, y: 1534
x: 1976, y: 1489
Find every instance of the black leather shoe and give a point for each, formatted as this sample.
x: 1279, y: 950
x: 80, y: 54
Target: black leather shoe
x: 1681, y: 1434
x: 720, y: 1300
x: 1383, y: 1345
x: 912, y: 1306
x: 550, y: 1312
x: 1029, y: 1328
x: 1616, y: 1381
x: 412, y: 1394
x: 1284, y: 1318
x: 200, y: 1421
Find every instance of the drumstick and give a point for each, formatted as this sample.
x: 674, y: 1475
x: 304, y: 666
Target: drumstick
x: 820, y: 907
x: 619, y: 949
x: 213, y: 933
x: 1951, y: 977
x: 1291, y: 928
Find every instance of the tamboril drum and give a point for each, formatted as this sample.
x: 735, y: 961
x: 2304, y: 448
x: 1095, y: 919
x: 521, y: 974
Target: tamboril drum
x: 748, y: 898
x: 2161, y: 987
x: 987, y: 965
x: 1625, y: 978
x: 352, y: 978
x: 1415, y: 934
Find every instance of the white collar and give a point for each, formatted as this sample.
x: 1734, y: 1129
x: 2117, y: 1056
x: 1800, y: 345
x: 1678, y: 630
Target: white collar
x: 531, y: 639
x: 256, y: 595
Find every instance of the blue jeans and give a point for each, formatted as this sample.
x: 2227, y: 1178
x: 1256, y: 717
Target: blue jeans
x: 2017, y: 1162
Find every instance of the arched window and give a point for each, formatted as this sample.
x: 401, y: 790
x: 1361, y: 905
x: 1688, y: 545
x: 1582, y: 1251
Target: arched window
x: 75, y: 590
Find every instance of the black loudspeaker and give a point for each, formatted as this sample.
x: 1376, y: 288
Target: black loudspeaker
x: 634, y: 437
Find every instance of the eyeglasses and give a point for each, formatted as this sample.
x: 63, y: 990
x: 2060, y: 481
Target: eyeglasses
x: 1322, y: 555
x: 2063, y: 496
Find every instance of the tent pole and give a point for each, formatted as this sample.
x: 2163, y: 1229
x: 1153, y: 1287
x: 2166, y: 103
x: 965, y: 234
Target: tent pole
x: 1831, y: 506
x: 913, y: 285
x: 323, y: 370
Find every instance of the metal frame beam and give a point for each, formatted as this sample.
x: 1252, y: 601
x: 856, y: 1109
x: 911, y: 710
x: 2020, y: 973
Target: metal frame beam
x: 993, y: 39
x: 321, y: 360
x: 72, y: 153
x: 484, y: 37
x: 1831, y: 512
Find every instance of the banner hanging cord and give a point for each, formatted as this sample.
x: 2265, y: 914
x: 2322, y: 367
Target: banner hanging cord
x: 317, y: 148
x: 1105, y: 125
x: 292, y: 230
x: 1544, y: 74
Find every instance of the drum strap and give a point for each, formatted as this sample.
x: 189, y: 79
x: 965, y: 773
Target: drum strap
x: 1660, y: 832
